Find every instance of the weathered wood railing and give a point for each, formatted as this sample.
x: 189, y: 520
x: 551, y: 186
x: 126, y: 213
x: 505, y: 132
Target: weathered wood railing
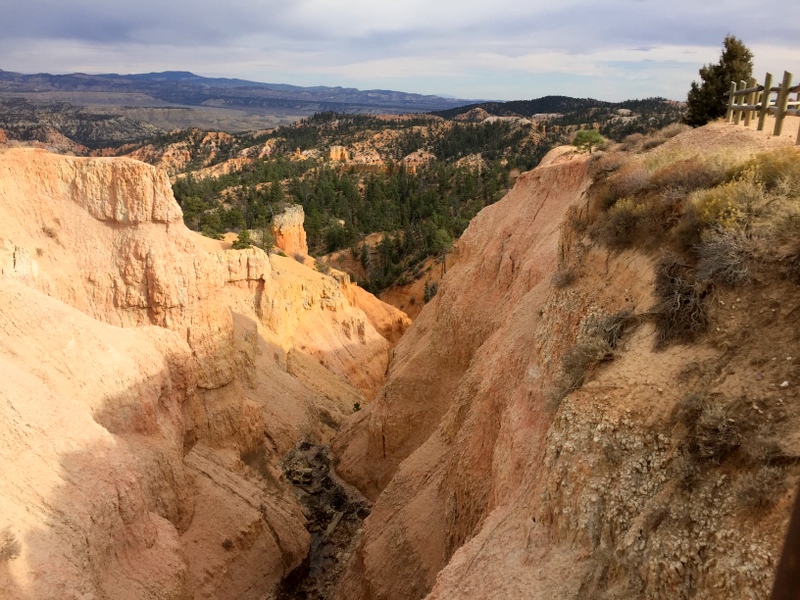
x: 749, y: 99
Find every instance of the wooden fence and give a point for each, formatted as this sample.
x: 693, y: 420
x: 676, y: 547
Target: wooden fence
x: 749, y: 99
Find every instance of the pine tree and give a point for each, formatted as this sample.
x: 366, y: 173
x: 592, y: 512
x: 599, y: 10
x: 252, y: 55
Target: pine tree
x: 707, y: 100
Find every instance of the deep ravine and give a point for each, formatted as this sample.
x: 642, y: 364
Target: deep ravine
x: 335, y: 512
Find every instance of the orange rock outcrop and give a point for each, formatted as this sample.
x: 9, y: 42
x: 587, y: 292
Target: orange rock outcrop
x: 151, y: 387
x: 287, y: 227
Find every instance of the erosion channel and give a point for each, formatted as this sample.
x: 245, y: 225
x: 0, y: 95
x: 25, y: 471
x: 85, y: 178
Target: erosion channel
x: 335, y: 512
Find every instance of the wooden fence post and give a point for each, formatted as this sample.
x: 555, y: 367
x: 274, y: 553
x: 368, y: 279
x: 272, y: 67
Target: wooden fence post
x: 729, y: 115
x: 783, y: 102
x: 750, y: 100
x: 765, y: 98
x: 737, y: 114
x: 798, y: 129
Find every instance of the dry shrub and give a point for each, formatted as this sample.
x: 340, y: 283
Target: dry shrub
x: 624, y: 222
x: 673, y: 129
x: 608, y: 162
x: 631, y: 142
x: 610, y: 328
x: 628, y: 181
x: 687, y: 235
x: 685, y: 470
x: 9, y: 545
x: 689, y: 408
x: 688, y: 175
x: 715, y: 434
x: 576, y: 220
x: 759, y: 489
x: 580, y: 359
x: 776, y: 169
x: 792, y: 268
x: 600, y: 336
x: 724, y: 256
x: 652, y: 141
x: 712, y: 435
x: 726, y: 205
x: 563, y: 277
x: 680, y: 313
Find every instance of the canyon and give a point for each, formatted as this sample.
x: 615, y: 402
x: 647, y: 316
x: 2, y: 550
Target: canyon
x: 160, y: 392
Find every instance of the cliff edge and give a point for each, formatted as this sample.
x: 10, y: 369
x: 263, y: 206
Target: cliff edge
x: 152, y: 388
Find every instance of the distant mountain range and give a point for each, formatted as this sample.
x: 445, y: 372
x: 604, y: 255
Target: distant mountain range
x: 188, y: 89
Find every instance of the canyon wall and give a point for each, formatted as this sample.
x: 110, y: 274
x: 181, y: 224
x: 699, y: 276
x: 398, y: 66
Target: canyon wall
x: 152, y: 387
x: 491, y: 479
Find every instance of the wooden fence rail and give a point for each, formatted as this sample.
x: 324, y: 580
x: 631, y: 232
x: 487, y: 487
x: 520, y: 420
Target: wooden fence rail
x: 749, y: 99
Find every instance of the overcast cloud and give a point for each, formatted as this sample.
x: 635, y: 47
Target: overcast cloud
x: 499, y: 49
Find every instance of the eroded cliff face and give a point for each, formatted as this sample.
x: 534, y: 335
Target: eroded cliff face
x: 488, y: 482
x: 152, y: 387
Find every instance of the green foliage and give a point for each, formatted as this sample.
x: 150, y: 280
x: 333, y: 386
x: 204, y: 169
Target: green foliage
x: 707, y: 100
x: 430, y: 290
x: 243, y: 241
x: 322, y: 267
x: 419, y: 211
x: 586, y: 139
x: 565, y: 112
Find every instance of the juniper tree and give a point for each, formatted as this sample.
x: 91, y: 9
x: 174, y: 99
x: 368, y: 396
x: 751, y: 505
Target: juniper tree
x: 707, y: 99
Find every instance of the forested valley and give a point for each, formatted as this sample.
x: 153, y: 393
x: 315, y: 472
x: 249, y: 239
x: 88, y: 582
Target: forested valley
x: 415, y: 179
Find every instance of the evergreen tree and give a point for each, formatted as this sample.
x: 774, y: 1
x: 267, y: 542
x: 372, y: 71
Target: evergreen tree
x: 707, y: 100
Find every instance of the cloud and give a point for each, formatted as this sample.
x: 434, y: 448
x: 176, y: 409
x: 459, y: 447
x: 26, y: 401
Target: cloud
x: 502, y: 49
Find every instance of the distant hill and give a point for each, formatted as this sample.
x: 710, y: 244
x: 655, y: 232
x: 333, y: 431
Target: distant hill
x: 527, y: 108
x: 613, y: 119
x: 187, y: 89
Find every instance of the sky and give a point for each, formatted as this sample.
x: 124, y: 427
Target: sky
x: 474, y: 49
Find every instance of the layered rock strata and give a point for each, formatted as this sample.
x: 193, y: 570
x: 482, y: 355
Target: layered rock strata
x: 153, y: 386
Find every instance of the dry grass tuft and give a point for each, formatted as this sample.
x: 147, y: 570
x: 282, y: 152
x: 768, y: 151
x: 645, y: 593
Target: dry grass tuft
x: 759, y: 489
